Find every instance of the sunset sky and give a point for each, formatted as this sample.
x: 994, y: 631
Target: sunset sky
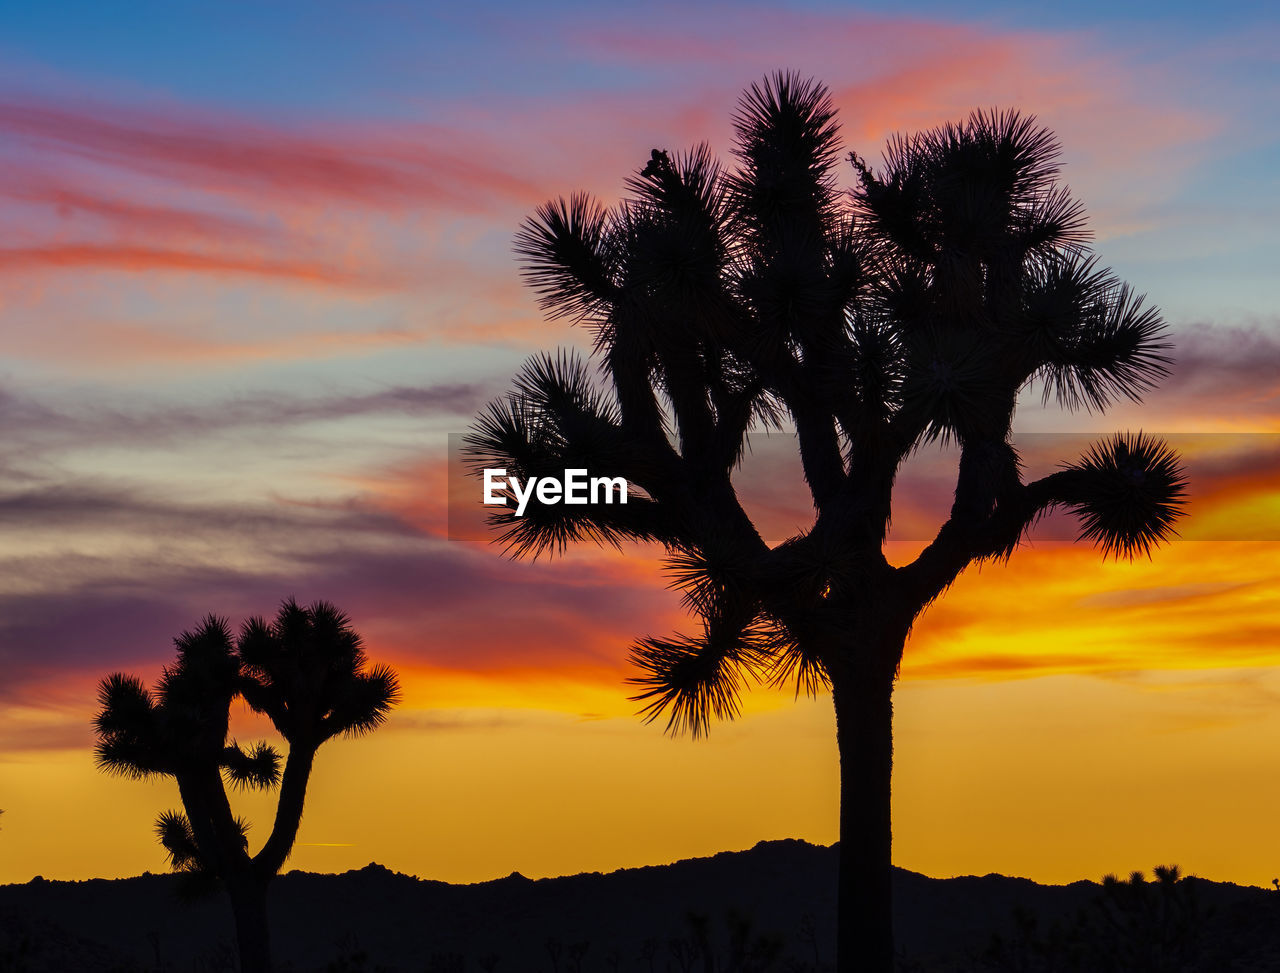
x: 256, y: 267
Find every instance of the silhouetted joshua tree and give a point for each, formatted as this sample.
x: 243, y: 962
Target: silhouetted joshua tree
x: 914, y: 309
x: 306, y: 671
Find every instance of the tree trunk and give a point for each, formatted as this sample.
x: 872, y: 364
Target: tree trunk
x: 293, y: 795
x: 249, y: 907
x: 864, y: 907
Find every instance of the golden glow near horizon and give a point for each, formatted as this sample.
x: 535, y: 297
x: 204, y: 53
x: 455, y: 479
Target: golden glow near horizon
x: 1034, y: 738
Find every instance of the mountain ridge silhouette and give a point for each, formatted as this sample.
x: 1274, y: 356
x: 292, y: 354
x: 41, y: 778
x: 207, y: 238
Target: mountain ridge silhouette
x: 784, y: 890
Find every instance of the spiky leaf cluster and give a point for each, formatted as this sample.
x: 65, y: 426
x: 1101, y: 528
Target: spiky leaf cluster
x: 174, y: 833
x: 183, y: 723
x: 306, y: 669
x: 695, y: 680
x: 988, y: 282
x: 916, y: 307
x: 1132, y: 491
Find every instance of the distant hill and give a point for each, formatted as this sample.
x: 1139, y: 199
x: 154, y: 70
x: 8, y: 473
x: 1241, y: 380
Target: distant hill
x: 767, y: 909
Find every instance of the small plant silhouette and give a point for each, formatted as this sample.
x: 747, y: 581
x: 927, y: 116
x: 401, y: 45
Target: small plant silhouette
x: 306, y: 671
x: 649, y: 953
x: 1132, y: 926
x: 1150, y: 926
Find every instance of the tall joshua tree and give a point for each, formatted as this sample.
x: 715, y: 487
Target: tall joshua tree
x: 306, y: 671
x: 914, y: 309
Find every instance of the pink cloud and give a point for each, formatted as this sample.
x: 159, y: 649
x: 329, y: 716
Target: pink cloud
x: 129, y: 189
x: 226, y: 153
x: 1127, y: 131
x: 403, y: 205
x: 76, y: 204
x: 142, y: 258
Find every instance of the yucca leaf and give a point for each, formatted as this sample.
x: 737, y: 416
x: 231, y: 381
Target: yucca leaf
x: 174, y: 832
x: 361, y: 703
x: 564, y: 258
x: 258, y: 768
x: 693, y: 680
x: 1130, y: 492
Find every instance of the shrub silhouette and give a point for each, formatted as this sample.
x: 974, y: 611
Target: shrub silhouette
x: 1146, y: 926
x: 306, y: 671
x: 1132, y: 926
x: 913, y: 310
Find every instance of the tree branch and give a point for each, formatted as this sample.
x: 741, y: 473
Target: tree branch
x: 293, y: 792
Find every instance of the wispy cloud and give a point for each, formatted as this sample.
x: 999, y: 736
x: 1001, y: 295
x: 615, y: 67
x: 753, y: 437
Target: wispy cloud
x: 90, y: 206
x: 352, y: 163
x: 108, y: 184
x: 1230, y: 374
x: 114, y: 187
x: 420, y: 600
x: 114, y: 420
x: 137, y: 258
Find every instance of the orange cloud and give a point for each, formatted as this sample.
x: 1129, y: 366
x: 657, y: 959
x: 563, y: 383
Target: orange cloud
x: 1059, y: 608
x: 137, y: 259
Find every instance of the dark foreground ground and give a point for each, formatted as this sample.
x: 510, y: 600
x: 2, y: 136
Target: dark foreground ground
x: 767, y: 909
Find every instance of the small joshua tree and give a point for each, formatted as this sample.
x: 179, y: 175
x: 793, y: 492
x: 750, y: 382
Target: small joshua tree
x: 306, y: 671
